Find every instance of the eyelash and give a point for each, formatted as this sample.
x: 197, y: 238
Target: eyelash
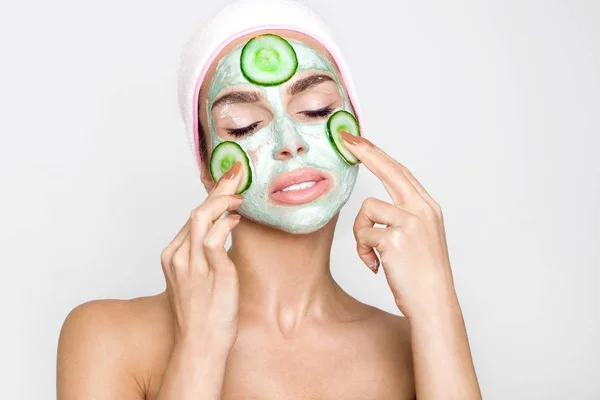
x: 243, y: 131
x: 321, y: 112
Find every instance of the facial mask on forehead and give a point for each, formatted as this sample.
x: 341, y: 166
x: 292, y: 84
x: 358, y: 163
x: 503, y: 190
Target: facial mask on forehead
x: 285, y: 132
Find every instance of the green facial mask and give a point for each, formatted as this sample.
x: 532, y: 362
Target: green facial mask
x: 281, y: 131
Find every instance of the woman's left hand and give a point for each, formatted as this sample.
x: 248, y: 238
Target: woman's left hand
x: 412, y: 245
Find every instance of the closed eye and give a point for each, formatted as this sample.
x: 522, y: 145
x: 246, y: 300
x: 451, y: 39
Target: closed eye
x: 245, y: 130
x: 321, y: 112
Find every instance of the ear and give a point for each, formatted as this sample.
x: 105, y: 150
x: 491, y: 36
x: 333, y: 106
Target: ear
x: 206, y: 178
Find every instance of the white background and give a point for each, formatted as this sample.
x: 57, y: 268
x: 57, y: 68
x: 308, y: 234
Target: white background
x: 494, y: 105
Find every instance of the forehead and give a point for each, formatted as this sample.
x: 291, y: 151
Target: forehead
x: 229, y: 75
x: 305, y: 39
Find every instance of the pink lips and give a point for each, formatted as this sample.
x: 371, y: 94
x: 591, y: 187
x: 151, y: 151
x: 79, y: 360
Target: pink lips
x: 300, y: 196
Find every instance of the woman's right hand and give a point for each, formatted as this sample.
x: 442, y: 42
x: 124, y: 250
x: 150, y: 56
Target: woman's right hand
x: 202, y: 281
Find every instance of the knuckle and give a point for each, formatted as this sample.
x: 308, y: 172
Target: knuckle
x: 404, y: 168
x: 413, y: 223
x: 197, y: 214
x: 232, y: 203
x: 359, y: 223
x: 355, y: 230
x: 392, y: 173
x: 211, y: 243
x: 179, y: 260
x: 165, y: 255
x: 428, y: 212
x: 396, y: 237
x: 357, y: 234
x: 396, y: 170
x: 369, y: 202
x: 389, y: 175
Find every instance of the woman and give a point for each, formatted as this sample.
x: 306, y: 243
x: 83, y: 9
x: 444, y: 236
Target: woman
x: 266, y: 320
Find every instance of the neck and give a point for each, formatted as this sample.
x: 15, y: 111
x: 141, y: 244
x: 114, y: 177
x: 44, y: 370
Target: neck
x: 285, y: 278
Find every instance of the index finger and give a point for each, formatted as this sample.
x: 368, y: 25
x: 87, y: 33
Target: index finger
x: 202, y: 218
x: 229, y: 182
x: 384, y: 167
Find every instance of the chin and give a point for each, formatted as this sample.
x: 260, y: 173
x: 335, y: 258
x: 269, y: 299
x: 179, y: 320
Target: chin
x: 300, y: 222
x: 308, y: 220
x: 302, y: 229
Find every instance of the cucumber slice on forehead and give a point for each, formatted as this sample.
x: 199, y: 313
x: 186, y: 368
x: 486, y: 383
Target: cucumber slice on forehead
x: 342, y: 121
x: 224, y: 155
x: 268, y: 60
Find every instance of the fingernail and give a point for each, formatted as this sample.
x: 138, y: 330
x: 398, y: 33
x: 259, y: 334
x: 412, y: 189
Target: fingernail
x: 375, y: 266
x: 235, y: 216
x: 350, y: 138
x: 355, y: 139
x: 233, y: 171
x: 238, y: 196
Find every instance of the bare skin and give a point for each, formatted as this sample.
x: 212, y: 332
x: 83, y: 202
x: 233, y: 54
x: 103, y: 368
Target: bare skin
x: 126, y: 345
x: 297, y: 333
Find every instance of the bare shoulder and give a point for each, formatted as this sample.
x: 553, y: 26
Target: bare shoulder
x: 392, y: 333
x: 387, y: 328
x: 386, y: 339
x: 397, y: 325
x: 108, y: 348
x: 390, y: 327
x: 386, y: 323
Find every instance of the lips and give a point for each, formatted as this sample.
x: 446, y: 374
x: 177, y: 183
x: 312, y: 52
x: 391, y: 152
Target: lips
x: 302, y: 193
x: 286, y: 179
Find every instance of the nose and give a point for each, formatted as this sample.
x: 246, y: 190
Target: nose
x: 289, y: 141
x: 289, y: 150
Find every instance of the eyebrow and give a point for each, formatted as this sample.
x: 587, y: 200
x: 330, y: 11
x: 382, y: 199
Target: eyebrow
x: 305, y: 83
x: 236, y: 97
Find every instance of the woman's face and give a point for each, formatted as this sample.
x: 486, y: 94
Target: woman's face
x: 283, y: 131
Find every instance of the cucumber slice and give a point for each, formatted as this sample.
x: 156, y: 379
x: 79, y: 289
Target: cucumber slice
x: 268, y: 60
x: 342, y: 121
x: 224, y: 155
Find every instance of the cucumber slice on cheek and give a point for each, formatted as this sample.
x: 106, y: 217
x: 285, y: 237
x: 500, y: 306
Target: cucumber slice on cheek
x: 342, y: 121
x: 268, y: 60
x: 224, y: 155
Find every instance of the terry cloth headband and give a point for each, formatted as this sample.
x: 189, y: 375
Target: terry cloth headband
x: 238, y: 19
